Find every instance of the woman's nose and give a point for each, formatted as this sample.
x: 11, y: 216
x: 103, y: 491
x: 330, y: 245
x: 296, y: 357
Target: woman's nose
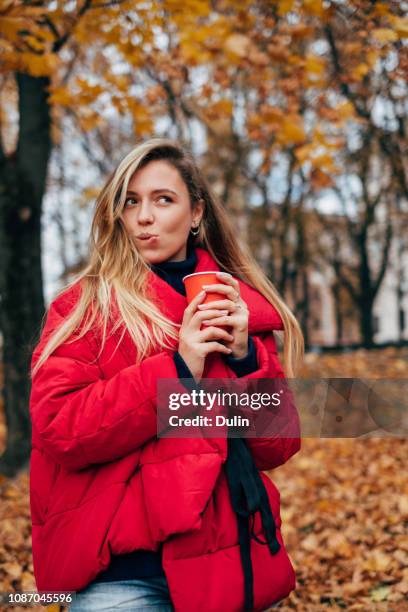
x: 145, y: 213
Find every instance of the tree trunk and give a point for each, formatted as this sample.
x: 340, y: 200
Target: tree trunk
x: 338, y: 314
x: 366, y: 320
x: 22, y: 185
x: 305, y: 311
x: 336, y: 291
x: 366, y: 300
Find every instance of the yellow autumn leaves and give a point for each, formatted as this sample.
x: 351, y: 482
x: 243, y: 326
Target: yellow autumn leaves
x: 267, y: 66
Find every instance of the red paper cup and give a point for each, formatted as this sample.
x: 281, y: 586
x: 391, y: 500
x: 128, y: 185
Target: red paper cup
x: 194, y: 285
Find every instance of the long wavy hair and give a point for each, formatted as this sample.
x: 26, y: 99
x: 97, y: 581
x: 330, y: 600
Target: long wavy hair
x: 117, y: 271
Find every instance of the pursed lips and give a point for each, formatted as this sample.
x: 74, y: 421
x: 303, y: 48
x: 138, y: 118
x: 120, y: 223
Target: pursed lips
x: 147, y: 237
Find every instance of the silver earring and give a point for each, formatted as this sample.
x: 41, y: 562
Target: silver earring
x: 196, y: 232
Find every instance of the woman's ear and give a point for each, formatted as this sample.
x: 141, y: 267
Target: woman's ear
x: 198, y: 211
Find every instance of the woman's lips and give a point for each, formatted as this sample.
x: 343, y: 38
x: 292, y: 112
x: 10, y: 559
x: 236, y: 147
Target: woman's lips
x: 149, y: 239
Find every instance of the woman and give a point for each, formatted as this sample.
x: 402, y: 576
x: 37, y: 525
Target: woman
x: 121, y: 516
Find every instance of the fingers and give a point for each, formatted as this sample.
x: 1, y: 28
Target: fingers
x: 199, y: 317
x: 228, y: 279
x: 209, y: 347
x: 210, y: 333
x: 232, y: 293
x: 222, y: 304
x: 191, y: 308
x: 221, y: 320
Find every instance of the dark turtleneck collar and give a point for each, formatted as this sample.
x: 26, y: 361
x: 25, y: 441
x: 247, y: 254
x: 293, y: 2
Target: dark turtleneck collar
x: 173, y: 271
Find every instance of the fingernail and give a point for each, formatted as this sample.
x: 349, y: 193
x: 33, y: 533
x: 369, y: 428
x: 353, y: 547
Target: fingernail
x: 201, y: 293
x: 224, y: 274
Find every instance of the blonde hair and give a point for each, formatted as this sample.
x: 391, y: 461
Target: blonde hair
x: 117, y: 271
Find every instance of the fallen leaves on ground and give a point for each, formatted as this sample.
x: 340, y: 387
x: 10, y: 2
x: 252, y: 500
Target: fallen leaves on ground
x: 345, y: 505
x: 344, y: 511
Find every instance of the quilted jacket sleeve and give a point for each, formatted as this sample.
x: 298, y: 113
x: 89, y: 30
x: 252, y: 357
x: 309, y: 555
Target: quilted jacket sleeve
x: 284, y: 441
x: 79, y: 417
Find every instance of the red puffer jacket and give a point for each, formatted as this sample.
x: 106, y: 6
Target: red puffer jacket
x: 102, y: 483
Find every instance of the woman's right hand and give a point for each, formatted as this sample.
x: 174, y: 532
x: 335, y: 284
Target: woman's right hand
x: 194, y: 343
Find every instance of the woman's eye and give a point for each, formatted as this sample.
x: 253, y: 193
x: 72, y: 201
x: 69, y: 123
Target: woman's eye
x: 163, y: 197
x: 130, y: 201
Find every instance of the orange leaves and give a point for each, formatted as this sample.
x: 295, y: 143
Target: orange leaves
x: 286, y: 128
x: 379, y: 561
x: 337, y: 496
x: 222, y: 107
x: 237, y: 45
x: 315, y: 67
x: 25, y: 46
x: 320, y: 179
x: 297, y: 31
x: 256, y: 127
x: 278, y: 52
x: 82, y: 93
x: 343, y: 507
x: 284, y: 6
x: 322, y: 165
x: 11, y: 26
x: 15, y: 17
x: 267, y: 121
x: 142, y: 119
x: 400, y: 25
x: 192, y: 9
x: 242, y: 47
x: 121, y: 82
x: 305, y: 152
x: 31, y: 63
x: 384, y: 35
x: 273, y: 115
x: 292, y: 130
x: 199, y: 44
x: 397, y: 28
x: 89, y: 99
x: 79, y: 98
x: 216, y: 115
x: 268, y: 67
x: 89, y: 120
x: 339, y: 113
x: 258, y: 58
x: 359, y: 71
x: 61, y: 96
x: 313, y: 7
x: 88, y: 194
x: 315, y: 64
x: 154, y: 95
x: 88, y: 92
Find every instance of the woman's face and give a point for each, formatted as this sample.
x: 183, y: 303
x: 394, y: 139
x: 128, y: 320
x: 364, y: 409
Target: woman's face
x: 158, y: 203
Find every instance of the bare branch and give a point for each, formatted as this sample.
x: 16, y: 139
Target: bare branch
x: 344, y: 87
x: 385, y: 257
x: 63, y: 39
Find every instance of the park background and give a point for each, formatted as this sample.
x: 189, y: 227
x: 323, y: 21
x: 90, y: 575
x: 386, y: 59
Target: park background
x: 297, y: 112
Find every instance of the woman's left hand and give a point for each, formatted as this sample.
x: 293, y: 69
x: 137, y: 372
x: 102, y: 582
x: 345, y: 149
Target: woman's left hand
x: 238, y: 313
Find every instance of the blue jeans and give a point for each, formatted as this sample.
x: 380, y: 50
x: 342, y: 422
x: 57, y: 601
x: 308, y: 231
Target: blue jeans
x: 150, y: 594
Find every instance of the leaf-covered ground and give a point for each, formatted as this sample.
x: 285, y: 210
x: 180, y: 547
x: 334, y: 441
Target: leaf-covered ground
x: 345, y: 506
x: 344, y: 510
